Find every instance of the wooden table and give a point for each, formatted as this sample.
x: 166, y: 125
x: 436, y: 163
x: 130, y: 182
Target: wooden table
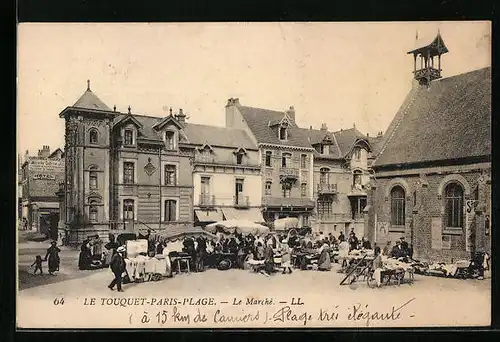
x: 182, y: 259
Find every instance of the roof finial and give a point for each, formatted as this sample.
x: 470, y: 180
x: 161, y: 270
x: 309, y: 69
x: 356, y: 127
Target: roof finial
x: 129, y: 109
x: 170, y: 110
x: 88, y: 85
x: 354, y: 125
x: 114, y: 108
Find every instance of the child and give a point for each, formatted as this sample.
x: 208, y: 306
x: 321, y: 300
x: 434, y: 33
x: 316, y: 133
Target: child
x: 377, y: 267
x: 38, y: 264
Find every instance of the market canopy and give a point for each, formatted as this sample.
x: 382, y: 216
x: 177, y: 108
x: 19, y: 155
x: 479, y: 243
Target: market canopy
x: 286, y: 223
x: 173, y: 234
x: 250, y: 214
x: 208, y: 215
x: 237, y: 226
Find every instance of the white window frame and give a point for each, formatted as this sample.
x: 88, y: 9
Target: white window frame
x: 177, y: 208
x: 270, y: 158
x: 120, y: 206
x: 163, y: 164
x: 270, y: 188
x: 174, y: 138
x: 122, y: 168
x: 92, y: 130
x: 134, y: 137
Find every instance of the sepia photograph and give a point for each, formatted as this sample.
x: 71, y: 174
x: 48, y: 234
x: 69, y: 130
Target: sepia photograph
x: 254, y: 175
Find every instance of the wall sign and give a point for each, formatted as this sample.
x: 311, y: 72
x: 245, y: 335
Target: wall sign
x: 42, y: 176
x: 436, y: 233
x: 46, y: 165
x: 470, y: 206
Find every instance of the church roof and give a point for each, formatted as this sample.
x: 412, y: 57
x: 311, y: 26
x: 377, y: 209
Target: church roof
x: 89, y: 100
x: 450, y: 120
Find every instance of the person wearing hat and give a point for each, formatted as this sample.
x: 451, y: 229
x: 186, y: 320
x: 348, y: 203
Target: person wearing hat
x: 404, y: 245
x: 53, y: 257
x: 117, y: 266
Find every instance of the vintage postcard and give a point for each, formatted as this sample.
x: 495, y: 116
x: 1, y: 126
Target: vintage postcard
x: 254, y: 175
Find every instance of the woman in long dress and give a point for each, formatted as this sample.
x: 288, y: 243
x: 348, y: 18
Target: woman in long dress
x: 53, y: 258
x: 324, y: 263
x: 85, y: 258
x: 285, y: 257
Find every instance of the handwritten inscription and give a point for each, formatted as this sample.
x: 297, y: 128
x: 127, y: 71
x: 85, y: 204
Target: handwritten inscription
x: 267, y: 311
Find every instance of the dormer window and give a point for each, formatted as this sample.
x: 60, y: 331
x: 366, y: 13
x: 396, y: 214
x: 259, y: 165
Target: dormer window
x: 239, y: 153
x: 283, y: 133
x: 128, y: 137
x: 170, y: 140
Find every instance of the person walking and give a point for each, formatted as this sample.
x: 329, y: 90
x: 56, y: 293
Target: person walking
x: 285, y: 257
x: 117, y: 267
x: 53, y: 257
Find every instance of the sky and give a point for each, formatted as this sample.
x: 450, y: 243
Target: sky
x: 341, y: 74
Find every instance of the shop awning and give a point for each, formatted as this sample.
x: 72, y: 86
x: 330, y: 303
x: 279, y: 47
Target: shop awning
x: 250, y: 214
x: 46, y: 205
x: 208, y: 215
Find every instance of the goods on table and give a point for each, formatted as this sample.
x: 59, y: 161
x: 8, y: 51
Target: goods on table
x: 144, y: 268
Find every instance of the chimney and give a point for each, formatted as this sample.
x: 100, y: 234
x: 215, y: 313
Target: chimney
x: 233, y: 102
x: 291, y: 113
x: 323, y: 127
x: 181, y: 117
x: 367, y: 135
x: 310, y: 128
x: 379, y: 134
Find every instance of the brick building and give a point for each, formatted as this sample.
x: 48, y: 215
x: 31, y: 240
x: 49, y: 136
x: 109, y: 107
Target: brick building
x: 432, y: 175
x: 286, y: 159
x: 124, y: 171
x: 226, y: 175
x: 340, y: 178
x: 40, y: 177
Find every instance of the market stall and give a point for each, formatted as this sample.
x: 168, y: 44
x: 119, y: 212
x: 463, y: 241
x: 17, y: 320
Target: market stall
x: 140, y: 267
x: 243, y: 227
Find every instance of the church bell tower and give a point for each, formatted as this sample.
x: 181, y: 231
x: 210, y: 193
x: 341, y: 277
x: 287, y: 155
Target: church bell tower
x: 427, y: 69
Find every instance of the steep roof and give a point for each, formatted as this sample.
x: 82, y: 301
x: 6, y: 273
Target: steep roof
x: 449, y: 120
x: 258, y: 120
x: 89, y: 100
x: 195, y: 134
x: 346, y: 139
x: 218, y: 136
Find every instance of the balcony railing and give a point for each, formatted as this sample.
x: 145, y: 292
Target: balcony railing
x: 206, y: 200
x: 326, y: 188
x: 289, y: 173
x: 241, y: 201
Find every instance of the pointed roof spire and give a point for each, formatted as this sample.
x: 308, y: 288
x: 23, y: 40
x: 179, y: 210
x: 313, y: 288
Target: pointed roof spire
x: 114, y: 108
x: 170, y: 110
x: 90, y: 101
x: 129, y: 109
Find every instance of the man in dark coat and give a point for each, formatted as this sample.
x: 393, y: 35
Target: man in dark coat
x: 117, y: 266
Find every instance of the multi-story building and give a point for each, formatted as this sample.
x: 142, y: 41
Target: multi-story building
x: 226, y: 175
x: 40, y: 178
x: 286, y: 159
x: 432, y: 175
x: 340, y: 179
x: 124, y: 171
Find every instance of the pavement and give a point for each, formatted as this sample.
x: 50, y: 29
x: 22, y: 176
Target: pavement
x: 432, y: 301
